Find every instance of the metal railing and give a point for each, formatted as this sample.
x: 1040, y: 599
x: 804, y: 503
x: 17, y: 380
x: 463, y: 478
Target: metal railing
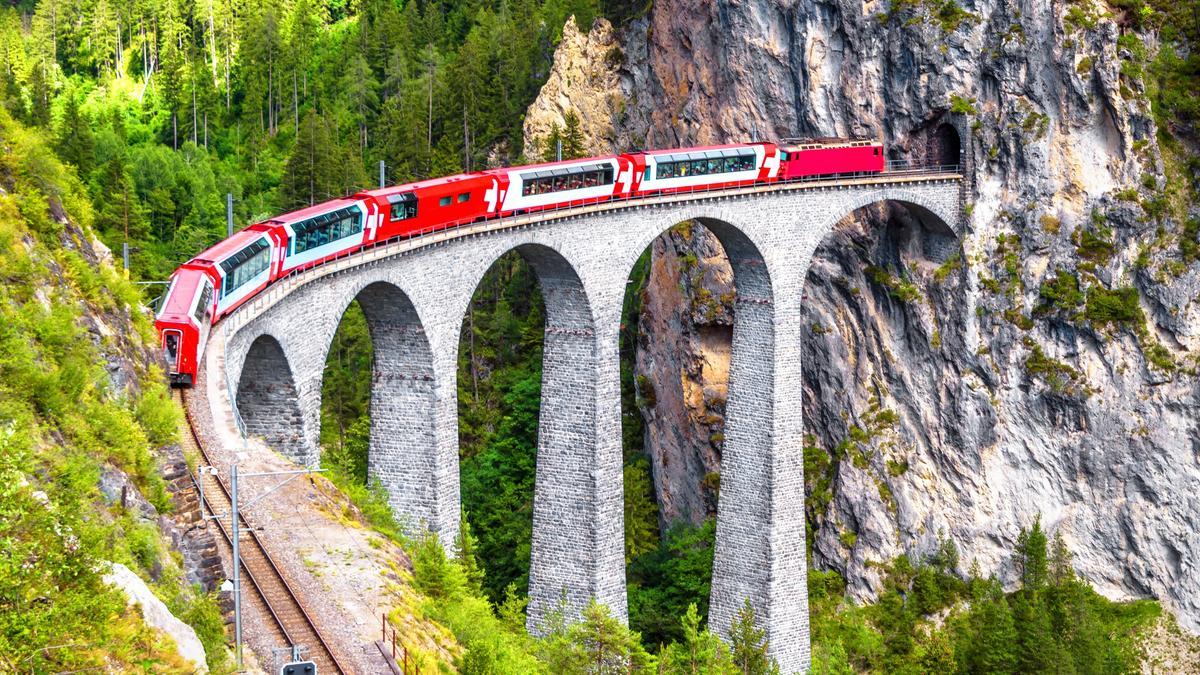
x: 393, y: 648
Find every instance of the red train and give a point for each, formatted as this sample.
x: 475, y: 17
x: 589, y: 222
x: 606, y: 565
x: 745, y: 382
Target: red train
x: 214, y: 283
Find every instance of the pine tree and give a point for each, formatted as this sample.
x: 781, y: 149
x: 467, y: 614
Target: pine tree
x: 311, y: 174
x: 597, y: 644
x: 751, y: 654
x: 936, y: 654
x: 572, y: 137
x: 1030, y: 556
x: 699, y: 652
x: 75, y: 144
x: 550, y: 143
x: 465, y: 546
x: 990, y: 643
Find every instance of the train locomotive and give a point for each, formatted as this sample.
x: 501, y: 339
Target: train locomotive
x: 210, y: 286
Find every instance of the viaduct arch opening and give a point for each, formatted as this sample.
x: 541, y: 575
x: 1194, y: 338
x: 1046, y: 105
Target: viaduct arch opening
x: 379, y: 367
x: 697, y: 348
x: 570, y: 507
x: 267, y: 399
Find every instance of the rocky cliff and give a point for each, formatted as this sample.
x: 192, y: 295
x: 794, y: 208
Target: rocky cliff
x: 1045, y: 366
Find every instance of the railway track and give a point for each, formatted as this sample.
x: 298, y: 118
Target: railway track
x: 267, y: 588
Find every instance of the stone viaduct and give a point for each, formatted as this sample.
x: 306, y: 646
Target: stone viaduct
x: 266, y: 363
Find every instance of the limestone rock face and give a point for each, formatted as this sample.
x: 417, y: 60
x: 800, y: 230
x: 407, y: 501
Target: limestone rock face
x: 157, y: 616
x: 584, y: 79
x: 947, y: 394
x: 685, y: 333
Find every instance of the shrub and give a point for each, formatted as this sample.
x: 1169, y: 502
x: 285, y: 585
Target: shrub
x: 1061, y: 293
x: 1118, y: 306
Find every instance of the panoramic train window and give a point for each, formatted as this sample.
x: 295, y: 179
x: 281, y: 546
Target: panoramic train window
x: 244, y: 265
x: 202, y: 306
x: 404, y: 206
x: 574, y: 178
x: 704, y: 163
x: 325, y: 228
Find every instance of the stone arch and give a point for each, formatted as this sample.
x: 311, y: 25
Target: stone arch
x: 577, y: 544
x: 267, y: 399
x: 402, y: 449
x: 759, y: 553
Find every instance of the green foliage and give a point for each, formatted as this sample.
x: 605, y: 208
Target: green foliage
x: 641, y: 511
x: 1095, y: 244
x: 897, y: 287
x: 749, y: 644
x: 952, y: 264
x: 929, y: 619
x: 664, y: 582
x: 1059, y: 294
x: 960, y: 105
x: 1060, y: 377
x: 1119, y: 306
x: 598, y: 643
x: 62, y: 420
x: 699, y: 651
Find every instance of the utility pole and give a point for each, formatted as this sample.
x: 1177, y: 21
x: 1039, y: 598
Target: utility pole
x: 235, y: 530
x: 125, y: 256
x: 228, y: 214
x: 237, y: 565
x: 558, y: 150
x: 382, y: 171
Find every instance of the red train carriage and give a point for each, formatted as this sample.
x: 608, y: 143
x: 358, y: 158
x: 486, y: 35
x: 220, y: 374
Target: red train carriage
x: 210, y: 286
x: 829, y: 157
x: 433, y: 204
x: 184, y: 320
x: 538, y: 187
x: 322, y: 232
x: 667, y: 171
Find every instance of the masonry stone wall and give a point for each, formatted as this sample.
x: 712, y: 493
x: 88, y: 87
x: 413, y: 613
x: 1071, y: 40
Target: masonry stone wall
x: 416, y: 301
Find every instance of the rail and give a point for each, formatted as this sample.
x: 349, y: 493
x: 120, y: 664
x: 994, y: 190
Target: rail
x: 284, y: 607
x: 896, y: 172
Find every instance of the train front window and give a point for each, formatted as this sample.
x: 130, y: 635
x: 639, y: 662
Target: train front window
x: 202, y: 305
x: 243, y: 266
x: 316, y: 232
x: 171, y: 347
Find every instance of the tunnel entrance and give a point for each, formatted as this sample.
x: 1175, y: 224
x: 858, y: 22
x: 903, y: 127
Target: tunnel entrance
x: 943, y: 146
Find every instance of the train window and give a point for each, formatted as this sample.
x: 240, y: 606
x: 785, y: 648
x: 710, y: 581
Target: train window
x: 404, y: 206
x: 444, y: 201
x: 464, y: 197
x: 574, y: 178
x: 701, y: 164
x: 783, y: 156
x: 316, y: 232
x: 244, y: 265
x: 202, y: 306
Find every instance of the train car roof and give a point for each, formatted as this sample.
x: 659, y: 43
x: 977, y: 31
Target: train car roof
x: 551, y: 165
x: 230, y: 245
x: 827, y: 142
x: 184, y: 283
x: 428, y: 183
x: 310, y: 211
x: 701, y: 148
